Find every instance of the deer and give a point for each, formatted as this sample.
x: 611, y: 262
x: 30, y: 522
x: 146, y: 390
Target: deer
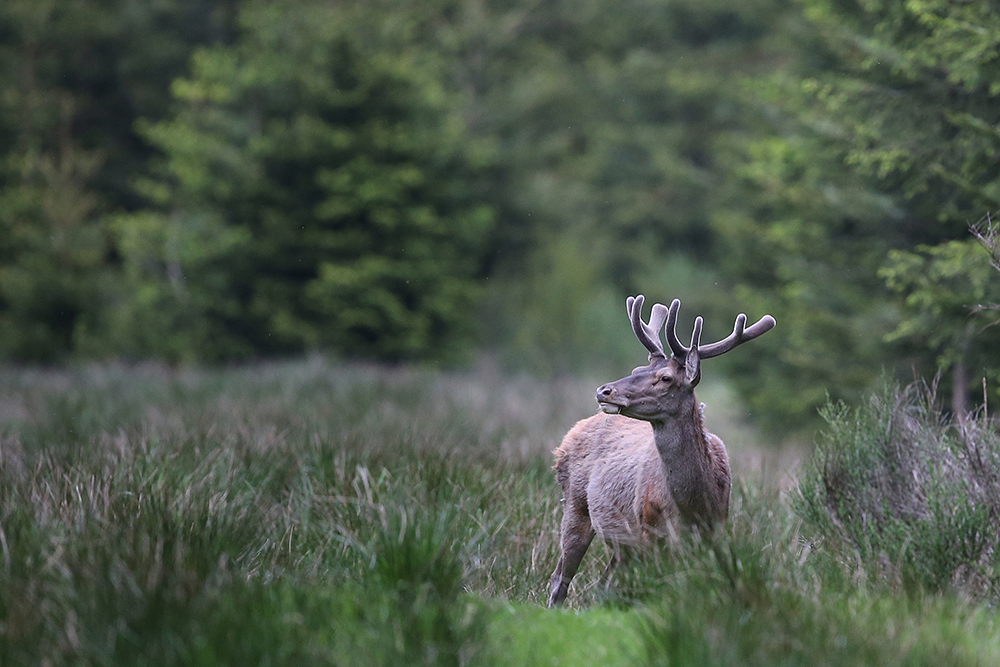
x: 645, y: 467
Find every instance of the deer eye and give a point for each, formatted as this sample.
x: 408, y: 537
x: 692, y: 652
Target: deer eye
x: 664, y: 377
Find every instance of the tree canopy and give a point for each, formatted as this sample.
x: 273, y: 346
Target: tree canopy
x: 200, y: 181
x: 314, y: 189
x: 881, y: 157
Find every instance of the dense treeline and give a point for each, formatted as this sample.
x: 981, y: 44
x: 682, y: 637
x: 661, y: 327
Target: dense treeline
x: 205, y: 181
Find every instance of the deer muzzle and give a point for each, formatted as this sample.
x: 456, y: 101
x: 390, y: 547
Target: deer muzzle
x: 608, y: 400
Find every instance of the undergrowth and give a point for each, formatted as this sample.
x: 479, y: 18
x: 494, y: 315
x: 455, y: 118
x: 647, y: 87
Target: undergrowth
x: 286, y: 513
x: 318, y: 513
x: 908, y: 495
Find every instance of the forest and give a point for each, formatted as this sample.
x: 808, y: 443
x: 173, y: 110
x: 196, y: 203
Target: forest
x: 204, y: 182
x: 297, y: 298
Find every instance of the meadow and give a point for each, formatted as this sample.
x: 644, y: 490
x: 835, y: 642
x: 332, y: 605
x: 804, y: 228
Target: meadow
x: 323, y: 513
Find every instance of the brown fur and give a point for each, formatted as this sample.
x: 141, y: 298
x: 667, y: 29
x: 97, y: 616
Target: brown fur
x: 614, y: 486
x: 610, y: 466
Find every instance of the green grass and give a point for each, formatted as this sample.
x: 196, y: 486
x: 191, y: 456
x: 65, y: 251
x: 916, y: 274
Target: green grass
x: 328, y: 514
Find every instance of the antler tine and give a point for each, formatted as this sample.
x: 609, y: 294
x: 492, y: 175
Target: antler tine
x: 656, y: 319
x: 741, y: 334
x: 648, y: 334
x: 696, y: 336
x: 670, y: 331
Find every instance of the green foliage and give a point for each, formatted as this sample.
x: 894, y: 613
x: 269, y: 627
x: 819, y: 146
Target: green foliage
x: 912, y: 498
x: 942, y: 286
x: 205, y: 523
x: 75, y: 77
x: 318, y: 194
x: 51, y: 248
x: 607, y: 125
x: 920, y: 92
x: 758, y: 593
x: 876, y: 138
x: 342, y: 514
x: 200, y: 181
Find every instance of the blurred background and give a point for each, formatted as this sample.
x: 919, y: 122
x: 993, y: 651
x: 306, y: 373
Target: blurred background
x: 446, y: 181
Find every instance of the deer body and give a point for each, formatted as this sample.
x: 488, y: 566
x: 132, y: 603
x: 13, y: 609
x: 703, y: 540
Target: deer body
x: 648, y: 467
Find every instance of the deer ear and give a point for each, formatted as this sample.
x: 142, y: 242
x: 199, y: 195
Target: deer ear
x: 692, y: 361
x: 692, y: 368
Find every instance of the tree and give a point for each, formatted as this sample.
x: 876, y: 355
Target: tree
x: 884, y: 139
x: 316, y: 191
x: 605, y: 123
x: 51, y: 248
x: 75, y: 77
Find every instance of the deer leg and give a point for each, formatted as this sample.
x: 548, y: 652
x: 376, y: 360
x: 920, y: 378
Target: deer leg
x: 577, y: 534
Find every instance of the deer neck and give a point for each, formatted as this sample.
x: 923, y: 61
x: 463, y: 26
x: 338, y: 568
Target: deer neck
x: 683, y: 447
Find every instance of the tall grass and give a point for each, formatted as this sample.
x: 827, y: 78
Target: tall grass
x: 760, y: 593
x: 186, y: 517
x: 318, y: 513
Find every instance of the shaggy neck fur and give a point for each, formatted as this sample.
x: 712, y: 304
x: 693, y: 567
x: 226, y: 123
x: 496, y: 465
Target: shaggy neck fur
x: 690, y: 467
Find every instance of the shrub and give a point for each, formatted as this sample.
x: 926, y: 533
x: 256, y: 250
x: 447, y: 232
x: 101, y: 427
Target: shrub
x: 910, y: 496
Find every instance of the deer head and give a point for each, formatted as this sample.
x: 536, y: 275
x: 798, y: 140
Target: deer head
x: 661, y: 389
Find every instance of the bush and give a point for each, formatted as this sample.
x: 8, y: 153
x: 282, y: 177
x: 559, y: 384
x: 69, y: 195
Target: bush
x: 758, y: 594
x: 909, y: 495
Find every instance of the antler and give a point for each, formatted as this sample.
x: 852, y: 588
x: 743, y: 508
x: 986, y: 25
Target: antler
x: 739, y: 336
x: 648, y: 334
x: 670, y: 332
x: 741, y: 332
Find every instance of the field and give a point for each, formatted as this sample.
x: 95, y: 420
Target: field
x: 319, y: 513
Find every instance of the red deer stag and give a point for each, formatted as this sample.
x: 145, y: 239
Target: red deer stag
x: 628, y: 481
